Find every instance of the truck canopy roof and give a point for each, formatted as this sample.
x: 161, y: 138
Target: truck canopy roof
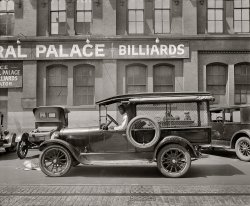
x: 158, y: 97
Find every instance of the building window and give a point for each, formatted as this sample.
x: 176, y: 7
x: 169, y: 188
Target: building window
x: 136, y: 78
x: 164, y: 78
x: 241, y: 16
x: 242, y: 83
x: 217, y: 80
x: 162, y: 16
x: 7, y: 17
x: 57, y: 85
x: 83, y: 16
x: 84, y: 85
x: 215, y: 16
x: 135, y: 16
x: 58, y: 17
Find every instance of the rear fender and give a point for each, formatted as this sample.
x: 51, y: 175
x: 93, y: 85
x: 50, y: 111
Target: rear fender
x: 237, y: 135
x: 175, y: 140
x: 71, y: 149
x: 23, y: 136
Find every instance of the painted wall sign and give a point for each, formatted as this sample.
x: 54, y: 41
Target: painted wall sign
x: 106, y: 50
x: 11, y: 75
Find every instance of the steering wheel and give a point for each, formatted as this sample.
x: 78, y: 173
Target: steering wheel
x: 112, y: 120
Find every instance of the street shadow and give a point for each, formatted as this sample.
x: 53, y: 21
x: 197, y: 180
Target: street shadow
x: 13, y: 156
x: 8, y: 155
x: 220, y: 152
x: 213, y: 170
x: 116, y: 171
x: 152, y: 171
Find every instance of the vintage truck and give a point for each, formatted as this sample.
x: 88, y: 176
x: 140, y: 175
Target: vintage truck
x: 166, y: 128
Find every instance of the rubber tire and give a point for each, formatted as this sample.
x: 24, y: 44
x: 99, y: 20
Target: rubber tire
x: 138, y: 145
x: 238, y: 153
x: 66, y: 152
x: 160, y: 166
x: 18, y: 150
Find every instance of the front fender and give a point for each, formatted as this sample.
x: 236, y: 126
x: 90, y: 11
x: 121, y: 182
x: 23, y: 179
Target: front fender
x: 237, y: 135
x: 175, y: 140
x: 23, y: 136
x: 75, y: 153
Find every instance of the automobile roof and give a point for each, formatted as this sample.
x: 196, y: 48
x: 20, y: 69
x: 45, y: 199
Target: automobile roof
x: 62, y: 108
x: 158, y: 97
x: 220, y: 108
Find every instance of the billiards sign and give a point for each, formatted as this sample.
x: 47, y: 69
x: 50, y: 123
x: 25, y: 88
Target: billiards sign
x: 96, y: 50
x: 11, y: 75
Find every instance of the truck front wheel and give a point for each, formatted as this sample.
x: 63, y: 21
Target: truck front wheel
x: 55, y: 161
x: 173, y: 160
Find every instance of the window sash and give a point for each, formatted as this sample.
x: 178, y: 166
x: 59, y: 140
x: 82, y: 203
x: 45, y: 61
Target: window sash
x: 136, y: 16
x: 58, y: 17
x: 84, y: 85
x: 136, y: 79
x: 215, y: 20
x: 162, y: 21
x: 242, y: 18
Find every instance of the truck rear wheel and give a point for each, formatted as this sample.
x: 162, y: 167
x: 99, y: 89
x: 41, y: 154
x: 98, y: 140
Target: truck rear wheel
x: 173, y: 160
x: 55, y: 161
x: 242, y: 148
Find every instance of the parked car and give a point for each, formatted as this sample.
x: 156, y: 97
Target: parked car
x: 231, y: 129
x: 7, y: 139
x: 158, y: 131
x: 48, y: 119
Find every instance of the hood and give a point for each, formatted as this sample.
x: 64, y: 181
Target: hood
x: 78, y: 131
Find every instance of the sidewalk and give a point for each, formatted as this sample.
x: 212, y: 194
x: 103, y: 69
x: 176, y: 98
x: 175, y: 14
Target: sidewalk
x: 118, y: 195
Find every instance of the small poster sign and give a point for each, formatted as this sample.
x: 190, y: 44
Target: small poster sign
x: 11, y: 74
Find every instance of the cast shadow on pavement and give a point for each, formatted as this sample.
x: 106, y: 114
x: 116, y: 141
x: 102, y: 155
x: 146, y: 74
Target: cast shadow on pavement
x: 203, y: 170
x: 220, y: 152
x: 13, y: 156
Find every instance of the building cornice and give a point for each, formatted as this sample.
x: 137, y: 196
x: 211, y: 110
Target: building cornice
x: 124, y: 38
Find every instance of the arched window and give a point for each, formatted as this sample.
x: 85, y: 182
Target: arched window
x: 84, y: 85
x: 164, y: 78
x: 242, y: 83
x: 217, y: 80
x: 57, y: 85
x: 58, y: 17
x: 136, y: 78
x: 7, y: 17
x: 83, y: 16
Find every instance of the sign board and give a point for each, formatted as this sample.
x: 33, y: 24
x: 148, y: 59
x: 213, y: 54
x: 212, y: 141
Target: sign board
x: 100, y: 50
x: 11, y: 75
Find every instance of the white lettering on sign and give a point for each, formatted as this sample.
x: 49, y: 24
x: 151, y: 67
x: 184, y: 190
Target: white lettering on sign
x: 110, y: 50
x: 40, y: 49
x: 99, y: 49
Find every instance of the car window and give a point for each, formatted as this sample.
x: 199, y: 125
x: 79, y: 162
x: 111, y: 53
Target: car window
x: 236, y: 116
x: 215, y: 116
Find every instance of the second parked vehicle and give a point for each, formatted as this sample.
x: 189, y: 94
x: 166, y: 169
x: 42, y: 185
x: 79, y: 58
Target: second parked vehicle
x: 231, y: 129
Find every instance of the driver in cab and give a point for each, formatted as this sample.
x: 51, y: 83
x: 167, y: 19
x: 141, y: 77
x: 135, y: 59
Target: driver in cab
x: 123, y: 125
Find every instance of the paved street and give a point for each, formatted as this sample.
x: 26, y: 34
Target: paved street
x: 216, y: 179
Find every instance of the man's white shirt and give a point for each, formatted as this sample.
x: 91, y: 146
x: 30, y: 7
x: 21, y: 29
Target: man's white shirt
x: 124, y: 123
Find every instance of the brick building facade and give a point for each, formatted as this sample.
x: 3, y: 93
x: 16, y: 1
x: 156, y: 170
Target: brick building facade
x: 75, y: 52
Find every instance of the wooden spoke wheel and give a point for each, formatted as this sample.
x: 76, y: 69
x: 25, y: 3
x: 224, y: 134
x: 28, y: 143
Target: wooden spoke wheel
x: 173, y: 160
x: 55, y: 161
